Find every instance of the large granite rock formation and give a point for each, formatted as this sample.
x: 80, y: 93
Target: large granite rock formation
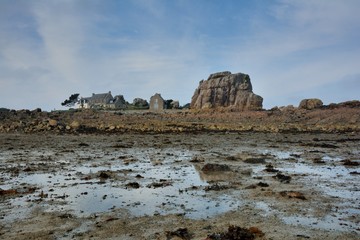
x: 224, y: 89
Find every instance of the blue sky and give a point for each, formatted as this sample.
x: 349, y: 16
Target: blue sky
x: 292, y: 49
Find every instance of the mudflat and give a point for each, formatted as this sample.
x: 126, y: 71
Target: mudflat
x: 190, y: 185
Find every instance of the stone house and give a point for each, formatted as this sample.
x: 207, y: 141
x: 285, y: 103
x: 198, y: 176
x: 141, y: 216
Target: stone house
x: 104, y: 101
x: 157, y: 103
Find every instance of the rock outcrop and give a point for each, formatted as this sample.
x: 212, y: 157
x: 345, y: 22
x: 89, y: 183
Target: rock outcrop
x: 224, y: 89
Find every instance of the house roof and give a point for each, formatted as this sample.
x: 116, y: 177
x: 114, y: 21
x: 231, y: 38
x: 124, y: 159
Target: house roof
x: 100, y: 96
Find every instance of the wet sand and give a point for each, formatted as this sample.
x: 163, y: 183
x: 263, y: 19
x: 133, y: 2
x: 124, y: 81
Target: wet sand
x: 143, y: 186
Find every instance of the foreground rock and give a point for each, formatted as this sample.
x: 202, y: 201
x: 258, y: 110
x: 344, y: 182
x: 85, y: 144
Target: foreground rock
x: 228, y: 90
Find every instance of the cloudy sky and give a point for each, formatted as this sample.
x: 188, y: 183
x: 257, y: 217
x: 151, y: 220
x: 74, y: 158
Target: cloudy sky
x: 292, y: 49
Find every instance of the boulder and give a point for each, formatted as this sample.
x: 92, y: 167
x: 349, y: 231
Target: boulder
x: 75, y: 125
x: 310, y: 104
x: 53, y: 122
x: 139, y: 102
x: 224, y: 89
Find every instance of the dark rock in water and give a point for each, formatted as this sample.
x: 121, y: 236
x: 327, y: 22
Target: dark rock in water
x: 310, y: 104
x: 197, y: 159
x: 348, y: 162
x: 133, y: 185
x: 282, y: 177
x: 270, y: 168
x: 255, y: 160
x: 224, y: 89
x: 104, y: 175
x: 215, y: 187
x: 83, y: 145
x: 215, y: 168
x: 262, y: 184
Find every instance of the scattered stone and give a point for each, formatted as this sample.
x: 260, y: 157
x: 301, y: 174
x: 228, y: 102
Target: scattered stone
x: 262, y: 184
x: 104, y: 175
x: 293, y: 194
x: 270, y: 168
x: 213, y: 167
x: 282, y: 177
x: 252, y: 186
x: 320, y: 145
x: 231, y: 158
x: 182, y: 233
x: 133, y: 185
x: 11, y: 192
x: 8, y: 192
x: 255, y: 160
x: 75, y: 125
x: 318, y: 160
x: 215, y: 187
x: 83, y: 145
x: 348, y: 162
x: 256, y: 231
x: 161, y: 183
x: 27, y: 169
x: 53, y: 122
x: 233, y: 233
x: 66, y: 216
x: 197, y: 159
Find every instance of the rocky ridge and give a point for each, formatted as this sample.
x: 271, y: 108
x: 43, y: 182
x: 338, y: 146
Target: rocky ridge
x: 341, y: 117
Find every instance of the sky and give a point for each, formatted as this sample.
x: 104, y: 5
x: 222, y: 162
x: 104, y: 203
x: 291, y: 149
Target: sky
x: 292, y: 49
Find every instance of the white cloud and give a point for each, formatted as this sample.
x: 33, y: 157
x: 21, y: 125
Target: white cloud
x: 310, y: 45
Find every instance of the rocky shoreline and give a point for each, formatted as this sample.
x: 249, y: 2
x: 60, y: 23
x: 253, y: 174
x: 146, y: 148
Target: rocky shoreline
x: 342, y: 117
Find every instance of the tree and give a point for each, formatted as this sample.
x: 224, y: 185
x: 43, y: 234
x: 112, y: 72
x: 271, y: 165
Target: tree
x: 71, y: 101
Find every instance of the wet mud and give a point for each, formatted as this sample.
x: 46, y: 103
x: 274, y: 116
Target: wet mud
x: 180, y: 186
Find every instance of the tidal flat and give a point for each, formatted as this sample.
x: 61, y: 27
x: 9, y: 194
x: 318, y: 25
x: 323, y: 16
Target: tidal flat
x: 151, y: 186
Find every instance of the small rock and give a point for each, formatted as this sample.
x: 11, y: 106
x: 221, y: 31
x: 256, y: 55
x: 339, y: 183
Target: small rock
x: 197, y: 159
x: 348, y: 162
x: 83, y: 145
x: 255, y: 160
x: 282, y: 177
x: 293, y: 194
x: 215, y: 187
x: 270, y: 168
x: 133, y: 185
x: 262, y: 184
x: 104, y: 175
